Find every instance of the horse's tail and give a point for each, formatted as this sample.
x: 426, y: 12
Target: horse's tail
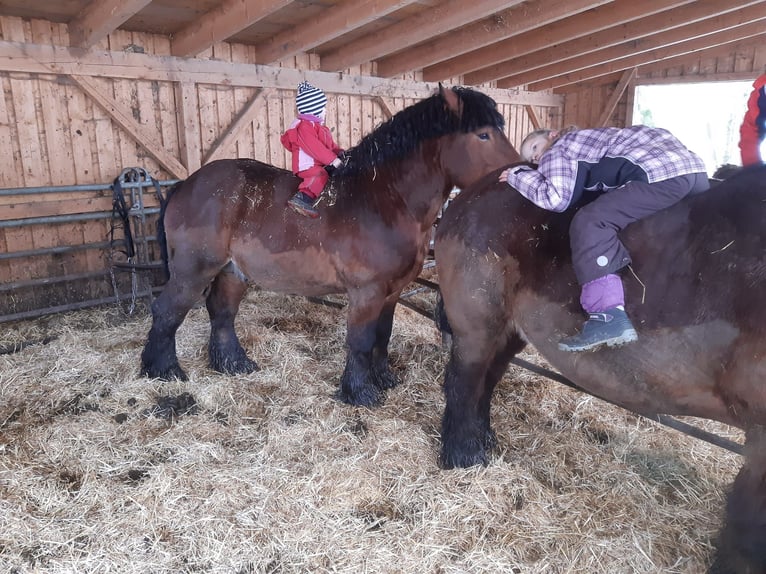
x: 442, y: 323
x: 161, y: 238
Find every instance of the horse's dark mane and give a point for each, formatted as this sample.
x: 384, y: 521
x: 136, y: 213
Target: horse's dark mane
x: 427, y: 119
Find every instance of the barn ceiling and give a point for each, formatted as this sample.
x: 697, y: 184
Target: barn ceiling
x: 536, y: 44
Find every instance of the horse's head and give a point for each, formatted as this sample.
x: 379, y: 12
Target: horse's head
x: 479, y: 145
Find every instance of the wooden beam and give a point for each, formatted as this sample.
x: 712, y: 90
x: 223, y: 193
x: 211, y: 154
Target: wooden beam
x: 99, y: 18
x: 48, y: 59
x: 386, y: 105
x: 220, y: 23
x: 242, y: 119
x: 648, y: 56
x: 522, y: 18
x: 589, y: 22
x: 124, y: 118
x: 673, y: 23
x: 187, y: 112
x: 533, y: 117
x: 331, y: 23
x: 704, y: 34
x: 693, y: 60
x: 431, y: 22
x: 619, y: 90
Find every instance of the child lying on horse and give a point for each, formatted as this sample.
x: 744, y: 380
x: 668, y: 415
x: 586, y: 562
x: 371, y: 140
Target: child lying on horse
x: 312, y: 147
x: 632, y: 173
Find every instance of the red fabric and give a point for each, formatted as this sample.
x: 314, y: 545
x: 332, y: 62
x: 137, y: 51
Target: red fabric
x: 312, y: 181
x: 314, y: 139
x: 753, y: 128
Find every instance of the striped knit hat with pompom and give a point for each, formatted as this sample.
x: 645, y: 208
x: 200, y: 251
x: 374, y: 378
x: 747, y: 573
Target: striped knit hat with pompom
x: 310, y: 100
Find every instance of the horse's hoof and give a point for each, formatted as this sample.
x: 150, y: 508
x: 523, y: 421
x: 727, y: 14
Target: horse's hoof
x: 386, y: 379
x: 240, y: 367
x: 166, y: 374
x: 452, y: 458
x: 367, y: 396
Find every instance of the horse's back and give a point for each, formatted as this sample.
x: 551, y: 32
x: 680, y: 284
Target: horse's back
x: 694, y: 291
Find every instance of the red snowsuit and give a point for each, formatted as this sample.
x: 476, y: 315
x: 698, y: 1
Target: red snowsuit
x: 312, y: 146
x: 753, y: 129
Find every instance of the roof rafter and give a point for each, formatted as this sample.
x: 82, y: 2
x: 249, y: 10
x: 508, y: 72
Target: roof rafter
x: 100, y: 18
x: 437, y: 20
x: 220, y: 23
x: 694, y: 59
x: 590, y: 21
x: 522, y: 18
x: 333, y: 22
x: 649, y: 55
x: 663, y: 23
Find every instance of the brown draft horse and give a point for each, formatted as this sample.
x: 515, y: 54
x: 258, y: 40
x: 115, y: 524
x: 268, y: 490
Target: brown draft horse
x: 228, y: 227
x: 697, y: 296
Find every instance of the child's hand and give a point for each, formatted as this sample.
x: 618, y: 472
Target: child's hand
x: 503, y: 177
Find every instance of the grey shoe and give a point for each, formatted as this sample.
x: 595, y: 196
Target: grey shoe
x: 611, y: 327
x: 303, y: 204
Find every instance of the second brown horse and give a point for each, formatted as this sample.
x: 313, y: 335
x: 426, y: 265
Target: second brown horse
x: 227, y: 228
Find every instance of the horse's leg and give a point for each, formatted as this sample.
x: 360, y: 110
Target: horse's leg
x: 381, y: 370
x: 225, y: 352
x: 741, y: 547
x: 494, y: 374
x: 357, y: 383
x: 473, y: 371
x: 159, y: 359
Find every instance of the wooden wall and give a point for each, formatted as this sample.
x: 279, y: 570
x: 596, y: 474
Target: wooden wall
x: 80, y: 122
x: 585, y: 103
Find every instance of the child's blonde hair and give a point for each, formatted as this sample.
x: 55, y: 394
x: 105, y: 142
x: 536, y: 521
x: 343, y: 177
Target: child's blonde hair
x: 546, y: 132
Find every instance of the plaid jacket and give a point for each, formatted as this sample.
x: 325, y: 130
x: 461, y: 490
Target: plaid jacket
x: 602, y: 159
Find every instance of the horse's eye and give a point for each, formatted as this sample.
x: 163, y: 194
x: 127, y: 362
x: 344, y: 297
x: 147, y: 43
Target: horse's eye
x: 484, y: 136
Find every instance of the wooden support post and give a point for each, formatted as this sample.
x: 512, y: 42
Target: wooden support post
x: 243, y: 117
x: 619, y: 90
x: 187, y: 112
x: 124, y: 118
x: 533, y: 116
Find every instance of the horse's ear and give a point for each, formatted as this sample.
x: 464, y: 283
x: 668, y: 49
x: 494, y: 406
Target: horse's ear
x: 451, y: 98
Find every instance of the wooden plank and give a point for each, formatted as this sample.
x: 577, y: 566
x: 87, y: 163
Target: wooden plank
x: 409, y: 31
x: 652, y: 48
x: 244, y: 119
x: 8, y: 142
x: 166, y: 105
x: 330, y: 23
x: 189, y: 126
x: 99, y: 18
x: 593, y: 22
x: 274, y: 128
x: 145, y: 101
x: 34, y: 58
x: 243, y: 142
x: 220, y: 23
x: 124, y: 119
x: 343, y: 130
x: 533, y: 117
x: 669, y: 24
x: 529, y: 16
x: 387, y: 106
x: 53, y: 109
x: 120, y: 90
x: 80, y: 121
x: 25, y: 115
x: 261, y: 150
x: 619, y: 90
x: 224, y: 109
